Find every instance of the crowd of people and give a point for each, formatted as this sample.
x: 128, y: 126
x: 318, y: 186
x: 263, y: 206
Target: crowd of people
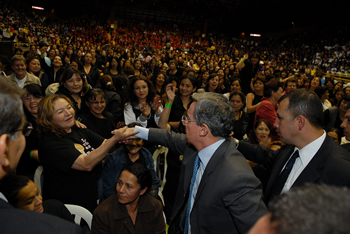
x: 85, y: 89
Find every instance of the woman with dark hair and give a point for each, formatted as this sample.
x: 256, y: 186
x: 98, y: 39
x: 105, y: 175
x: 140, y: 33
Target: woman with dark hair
x: 22, y: 193
x: 238, y: 101
x: 223, y: 82
x: 138, y: 67
x: 183, y: 99
x: 323, y: 95
x: 34, y: 68
x: 213, y: 83
x: 314, y: 83
x: 159, y: 84
x: 338, y: 97
x: 96, y: 117
x: 254, y: 99
x: 249, y: 66
x: 141, y: 104
x: 73, y: 86
x: 29, y: 161
x: 137, y: 211
x: 261, y: 133
x: 113, y: 100
x: 67, y: 55
x: 90, y: 70
x: 56, y: 70
x: 69, y: 154
x: 114, y: 68
x: 202, y: 80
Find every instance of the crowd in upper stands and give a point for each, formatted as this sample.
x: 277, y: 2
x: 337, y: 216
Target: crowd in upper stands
x: 112, y: 78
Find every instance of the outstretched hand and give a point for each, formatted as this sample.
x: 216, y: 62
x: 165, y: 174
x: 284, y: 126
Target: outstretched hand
x: 245, y: 57
x: 156, y: 104
x: 124, y: 134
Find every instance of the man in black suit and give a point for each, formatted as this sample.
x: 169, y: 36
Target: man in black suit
x: 310, y: 156
x: 223, y: 195
x: 12, y: 144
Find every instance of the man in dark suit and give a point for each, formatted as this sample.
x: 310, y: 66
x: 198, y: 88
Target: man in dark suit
x: 346, y: 128
x: 310, y: 156
x: 12, y: 144
x: 223, y: 195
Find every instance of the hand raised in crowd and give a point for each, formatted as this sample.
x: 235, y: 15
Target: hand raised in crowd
x: 144, y: 108
x: 245, y: 57
x: 156, y: 103
x: 170, y: 93
x: 124, y: 134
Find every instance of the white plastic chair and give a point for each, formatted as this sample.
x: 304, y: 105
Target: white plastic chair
x: 37, y: 178
x: 80, y: 213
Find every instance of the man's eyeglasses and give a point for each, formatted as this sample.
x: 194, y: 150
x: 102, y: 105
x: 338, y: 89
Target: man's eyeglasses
x: 27, y: 129
x: 185, y: 119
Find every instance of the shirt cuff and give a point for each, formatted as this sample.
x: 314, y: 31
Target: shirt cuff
x: 143, y: 134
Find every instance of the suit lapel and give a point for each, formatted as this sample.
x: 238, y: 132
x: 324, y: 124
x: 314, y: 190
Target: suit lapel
x: 282, y: 158
x: 311, y: 172
x: 210, y: 167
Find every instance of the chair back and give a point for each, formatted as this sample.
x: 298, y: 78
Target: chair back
x: 80, y: 213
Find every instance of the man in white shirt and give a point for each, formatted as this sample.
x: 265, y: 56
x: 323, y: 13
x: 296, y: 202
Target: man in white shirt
x: 319, y: 159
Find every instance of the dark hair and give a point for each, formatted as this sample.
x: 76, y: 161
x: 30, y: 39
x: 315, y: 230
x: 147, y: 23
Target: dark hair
x: 129, y: 70
x: 292, y: 80
x: 241, y: 94
x: 11, y: 185
x: 320, y: 91
x: 35, y: 90
x: 252, y: 135
x: 306, y: 103
x: 269, y: 88
x: 68, y: 73
x: 312, y: 209
x: 106, y: 82
x: 143, y: 175
x: 191, y: 78
x: 131, y: 96
x: 92, y: 94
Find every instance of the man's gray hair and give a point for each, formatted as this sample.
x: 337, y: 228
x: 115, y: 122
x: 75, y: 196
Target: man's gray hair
x: 216, y: 112
x: 11, y: 109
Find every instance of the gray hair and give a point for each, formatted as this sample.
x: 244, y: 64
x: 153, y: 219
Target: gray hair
x: 11, y: 109
x: 216, y: 112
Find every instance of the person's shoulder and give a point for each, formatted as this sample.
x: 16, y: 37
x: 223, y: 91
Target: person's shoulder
x: 30, y: 222
x: 107, y: 204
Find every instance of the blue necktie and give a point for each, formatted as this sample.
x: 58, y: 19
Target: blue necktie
x: 282, y: 178
x: 195, y: 169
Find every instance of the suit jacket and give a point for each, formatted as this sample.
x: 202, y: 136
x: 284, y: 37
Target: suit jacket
x: 228, y: 198
x: 14, y: 221
x: 31, y: 79
x: 330, y: 165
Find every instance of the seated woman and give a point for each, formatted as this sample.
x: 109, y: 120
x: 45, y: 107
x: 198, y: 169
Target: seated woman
x: 238, y: 101
x: 22, y: 193
x: 72, y: 85
x: 113, y: 100
x: 261, y: 133
x: 97, y: 118
x: 34, y: 68
x: 213, y: 83
x: 69, y: 154
x: 28, y: 163
x: 130, y: 153
x: 130, y: 209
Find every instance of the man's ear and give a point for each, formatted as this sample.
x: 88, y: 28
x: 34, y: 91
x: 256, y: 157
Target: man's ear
x: 204, y: 130
x: 3, y: 150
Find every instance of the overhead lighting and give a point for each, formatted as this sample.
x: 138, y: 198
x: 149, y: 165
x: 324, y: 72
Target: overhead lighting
x: 38, y: 8
x: 255, y: 35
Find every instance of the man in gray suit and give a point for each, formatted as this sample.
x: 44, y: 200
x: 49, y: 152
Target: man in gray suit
x: 12, y: 144
x: 218, y: 192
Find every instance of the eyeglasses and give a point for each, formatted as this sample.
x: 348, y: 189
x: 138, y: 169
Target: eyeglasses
x: 185, y: 119
x: 27, y: 129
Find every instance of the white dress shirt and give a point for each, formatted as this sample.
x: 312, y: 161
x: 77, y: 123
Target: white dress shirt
x: 305, y: 156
